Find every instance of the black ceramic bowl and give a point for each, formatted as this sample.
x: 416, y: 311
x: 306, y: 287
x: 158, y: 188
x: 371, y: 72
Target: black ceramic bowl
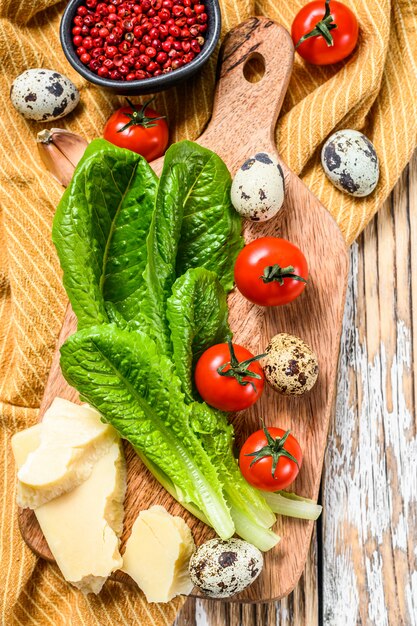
x: 146, y: 85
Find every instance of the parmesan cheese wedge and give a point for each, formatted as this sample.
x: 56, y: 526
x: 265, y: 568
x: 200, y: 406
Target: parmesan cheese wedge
x: 82, y: 527
x: 157, y: 555
x: 71, y: 440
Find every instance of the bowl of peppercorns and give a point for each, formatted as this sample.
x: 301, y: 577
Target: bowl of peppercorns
x: 139, y: 46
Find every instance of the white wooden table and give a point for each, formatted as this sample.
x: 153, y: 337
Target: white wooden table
x: 362, y: 568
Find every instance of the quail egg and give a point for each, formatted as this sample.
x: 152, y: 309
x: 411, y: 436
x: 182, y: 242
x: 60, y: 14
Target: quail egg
x: 350, y: 162
x: 223, y: 568
x: 257, y: 191
x: 43, y: 95
x: 290, y: 365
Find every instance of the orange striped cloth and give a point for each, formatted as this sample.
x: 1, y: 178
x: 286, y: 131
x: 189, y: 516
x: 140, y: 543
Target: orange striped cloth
x: 375, y: 90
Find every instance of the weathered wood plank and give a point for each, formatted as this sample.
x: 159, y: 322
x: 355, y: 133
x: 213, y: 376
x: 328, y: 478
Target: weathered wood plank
x: 369, y: 536
x: 370, y: 478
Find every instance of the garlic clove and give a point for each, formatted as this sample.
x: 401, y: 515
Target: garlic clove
x: 71, y: 145
x: 56, y: 163
x: 60, y: 152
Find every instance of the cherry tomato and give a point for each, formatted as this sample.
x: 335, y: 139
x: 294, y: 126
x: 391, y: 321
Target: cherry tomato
x: 329, y: 32
x: 141, y: 130
x: 271, y: 271
x: 270, y: 459
x: 228, y: 377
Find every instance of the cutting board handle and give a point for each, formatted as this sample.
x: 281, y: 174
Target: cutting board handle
x: 238, y: 100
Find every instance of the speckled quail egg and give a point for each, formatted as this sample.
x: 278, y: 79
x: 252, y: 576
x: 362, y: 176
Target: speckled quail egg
x: 43, y: 95
x: 223, y: 568
x: 290, y: 365
x: 257, y: 191
x: 350, y: 162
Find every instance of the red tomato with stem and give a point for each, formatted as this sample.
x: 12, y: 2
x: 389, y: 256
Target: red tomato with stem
x: 143, y: 130
x: 271, y: 271
x: 229, y: 377
x: 270, y: 459
x: 325, y: 33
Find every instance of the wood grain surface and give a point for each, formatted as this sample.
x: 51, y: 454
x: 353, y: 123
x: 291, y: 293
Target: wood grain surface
x: 316, y: 316
x: 362, y: 571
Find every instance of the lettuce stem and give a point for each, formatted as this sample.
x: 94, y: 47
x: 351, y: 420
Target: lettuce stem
x: 291, y: 505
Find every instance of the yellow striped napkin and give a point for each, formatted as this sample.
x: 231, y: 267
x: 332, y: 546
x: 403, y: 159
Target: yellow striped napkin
x: 375, y: 90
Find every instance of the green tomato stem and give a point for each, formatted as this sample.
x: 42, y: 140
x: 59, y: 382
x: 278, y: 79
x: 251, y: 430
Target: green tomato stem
x: 237, y: 370
x: 138, y: 117
x: 276, y: 273
x: 323, y: 28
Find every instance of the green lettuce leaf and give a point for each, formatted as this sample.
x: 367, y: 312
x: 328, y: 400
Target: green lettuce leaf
x: 211, y: 228
x: 100, y: 231
x: 124, y: 376
x: 193, y: 225
x: 197, y: 316
x: 162, y: 245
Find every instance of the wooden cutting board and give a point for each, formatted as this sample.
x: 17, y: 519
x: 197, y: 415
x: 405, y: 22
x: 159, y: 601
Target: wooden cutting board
x: 243, y: 123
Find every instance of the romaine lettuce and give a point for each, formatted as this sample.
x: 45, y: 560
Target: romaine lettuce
x: 134, y: 387
x: 193, y: 225
x: 123, y: 238
x: 148, y: 304
x: 100, y: 231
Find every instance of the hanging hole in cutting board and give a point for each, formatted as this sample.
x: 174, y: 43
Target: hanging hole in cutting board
x: 254, y: 68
